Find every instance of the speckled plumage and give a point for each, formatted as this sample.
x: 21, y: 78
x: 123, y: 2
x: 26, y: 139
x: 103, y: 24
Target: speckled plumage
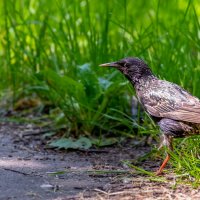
x: 175, y: 110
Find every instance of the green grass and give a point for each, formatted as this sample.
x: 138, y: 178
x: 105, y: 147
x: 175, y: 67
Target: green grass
x: 52, y: 49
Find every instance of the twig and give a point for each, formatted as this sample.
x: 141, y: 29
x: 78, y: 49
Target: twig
x: 23, y: 173
x: 40, y: 132
x: 115, y: 193
x: 93, y: 172
x: 93, y: 150
x: 16, y: 171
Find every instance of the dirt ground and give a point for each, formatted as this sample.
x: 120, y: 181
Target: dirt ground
x: 28, y: 170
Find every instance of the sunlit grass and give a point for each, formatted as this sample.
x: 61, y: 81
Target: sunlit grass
x: 186, y: 160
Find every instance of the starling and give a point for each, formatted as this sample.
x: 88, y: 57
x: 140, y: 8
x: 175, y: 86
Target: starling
x: 175, y: 110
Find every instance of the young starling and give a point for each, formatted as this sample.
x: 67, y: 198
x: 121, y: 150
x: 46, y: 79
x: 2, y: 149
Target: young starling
x: 175, y: 110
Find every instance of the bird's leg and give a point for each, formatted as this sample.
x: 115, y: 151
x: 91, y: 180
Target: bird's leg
x: 163, y: 164
x: 166, y: 141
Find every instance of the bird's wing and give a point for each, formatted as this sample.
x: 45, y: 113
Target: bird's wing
x: 174, y: 103
x: 183, y: 113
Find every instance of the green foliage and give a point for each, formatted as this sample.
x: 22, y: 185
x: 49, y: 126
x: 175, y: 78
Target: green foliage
x: 85, y: 101
x: 187, y: 164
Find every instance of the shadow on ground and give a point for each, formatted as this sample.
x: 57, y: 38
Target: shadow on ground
x: 29, y: 171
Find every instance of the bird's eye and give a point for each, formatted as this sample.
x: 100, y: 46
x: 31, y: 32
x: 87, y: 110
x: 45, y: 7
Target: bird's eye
x: 126, y: 64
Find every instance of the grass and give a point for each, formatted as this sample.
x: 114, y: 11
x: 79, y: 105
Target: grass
x: 51, y: 50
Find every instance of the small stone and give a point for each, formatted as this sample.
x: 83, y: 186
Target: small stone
x: 47, y: 186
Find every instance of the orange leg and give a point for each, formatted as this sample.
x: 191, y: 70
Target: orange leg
x: 163, y: 165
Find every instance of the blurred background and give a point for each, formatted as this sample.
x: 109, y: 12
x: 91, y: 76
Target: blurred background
x: 50, y: 52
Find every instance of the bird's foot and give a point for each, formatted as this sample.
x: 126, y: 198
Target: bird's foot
x: 158, y: 172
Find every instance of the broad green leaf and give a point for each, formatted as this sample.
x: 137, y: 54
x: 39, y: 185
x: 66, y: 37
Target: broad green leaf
x: 104, y: 141
x: 64, y: 85
x: 69, y: 143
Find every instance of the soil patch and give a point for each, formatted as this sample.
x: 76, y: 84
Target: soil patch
x: 28, y: 170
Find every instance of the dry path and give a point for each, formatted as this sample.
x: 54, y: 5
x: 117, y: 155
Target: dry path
x: 30, y: 171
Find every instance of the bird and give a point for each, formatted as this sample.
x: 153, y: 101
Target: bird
x: 174, y: 110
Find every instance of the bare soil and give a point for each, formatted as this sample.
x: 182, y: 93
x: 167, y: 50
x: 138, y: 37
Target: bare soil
x: 28, y: 170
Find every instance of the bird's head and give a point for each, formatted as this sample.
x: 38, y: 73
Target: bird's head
x: 132, y: 68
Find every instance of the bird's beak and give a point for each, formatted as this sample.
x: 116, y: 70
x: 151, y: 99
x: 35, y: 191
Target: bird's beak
x: 112, y: 64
